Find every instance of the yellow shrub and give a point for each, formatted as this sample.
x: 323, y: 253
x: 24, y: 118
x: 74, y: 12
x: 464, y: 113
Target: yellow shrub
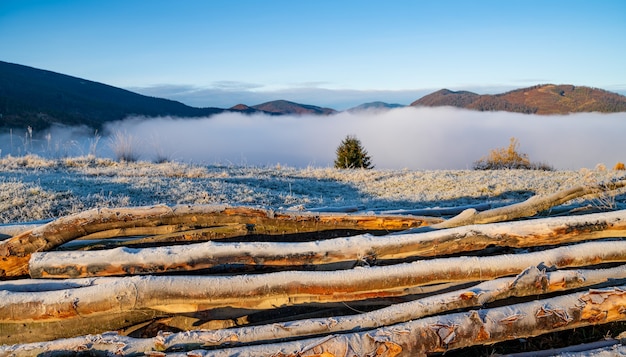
x: 504, y: 158
x: 619, y: 166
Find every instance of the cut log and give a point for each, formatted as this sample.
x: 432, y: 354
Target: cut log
x: 182, y: 294
x: 15, y: 252
x: 432, y: 334
x: 531, y: 206
x: 336, y: 253
x: 453, y: 331
x: 532, y: 281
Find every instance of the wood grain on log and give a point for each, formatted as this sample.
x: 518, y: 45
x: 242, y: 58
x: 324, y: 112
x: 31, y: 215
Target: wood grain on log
x: 337, y: 253
x: 15, y: 252
x: 530, y: 282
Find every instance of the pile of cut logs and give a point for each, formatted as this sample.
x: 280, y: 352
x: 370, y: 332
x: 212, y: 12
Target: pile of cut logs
x: 241, y: 281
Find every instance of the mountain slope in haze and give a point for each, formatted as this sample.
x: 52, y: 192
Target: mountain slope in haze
x: 541, y: 99
x: 374, y: 106
x: 38, y: 98
x: 242, y: 108
x: 286, y: 107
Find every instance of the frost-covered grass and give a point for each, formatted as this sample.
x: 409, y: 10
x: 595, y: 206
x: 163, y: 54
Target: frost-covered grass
x: 33, y: 188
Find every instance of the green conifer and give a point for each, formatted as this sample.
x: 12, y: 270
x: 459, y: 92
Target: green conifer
x: 352, y: 155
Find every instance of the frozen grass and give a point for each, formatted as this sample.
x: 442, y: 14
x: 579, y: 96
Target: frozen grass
x: 33, y: 188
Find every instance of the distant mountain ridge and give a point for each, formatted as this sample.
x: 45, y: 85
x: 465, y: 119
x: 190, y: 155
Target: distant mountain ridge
x: 39, y: 98
x: 540, y: 99
x: 287, y: 107
x: 374, y: 106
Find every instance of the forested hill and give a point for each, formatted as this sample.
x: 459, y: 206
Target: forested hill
x: 541, y: 99
x: 37, y: 98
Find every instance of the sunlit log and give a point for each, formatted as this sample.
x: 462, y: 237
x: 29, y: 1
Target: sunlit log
x: 15, y: 252
x: 531, y: 206
x: 336, y: 253
x: 183, y: 294
x: 530, y: 282
x: 453, y: 331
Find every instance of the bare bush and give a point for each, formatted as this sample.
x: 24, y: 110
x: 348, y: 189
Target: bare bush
x: 509, y: 158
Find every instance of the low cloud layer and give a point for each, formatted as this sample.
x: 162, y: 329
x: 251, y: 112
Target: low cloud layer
x: 412, y: 138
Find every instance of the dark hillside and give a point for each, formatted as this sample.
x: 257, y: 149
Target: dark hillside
x: 38, y: 98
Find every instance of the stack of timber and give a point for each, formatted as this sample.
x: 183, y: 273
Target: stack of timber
x: 240, y: 281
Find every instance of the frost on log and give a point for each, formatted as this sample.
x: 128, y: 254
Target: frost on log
x: 223, y: 281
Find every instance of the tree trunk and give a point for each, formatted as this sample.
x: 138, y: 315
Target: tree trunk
x: 15, y: 252
x: 336, y: 253
x: 188, y: 294
x: 531, y: 206
x: 453, y: 331
x: 530, y: 282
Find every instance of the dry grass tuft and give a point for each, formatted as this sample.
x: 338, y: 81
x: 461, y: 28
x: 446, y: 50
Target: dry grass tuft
x: 124, y: 146
x: 509, y: 158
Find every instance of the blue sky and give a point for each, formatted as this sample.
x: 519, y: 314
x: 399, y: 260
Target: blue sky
x: 329, y: 53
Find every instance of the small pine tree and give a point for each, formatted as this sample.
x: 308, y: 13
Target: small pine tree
x: 352, y: 155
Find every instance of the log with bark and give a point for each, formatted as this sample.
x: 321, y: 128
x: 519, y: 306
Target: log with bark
x: 15, y: 252
x: 452, y: 331
x: 532, y: 281
x: 193, y: 294
x: 335, y: 253
x: 533, y: 205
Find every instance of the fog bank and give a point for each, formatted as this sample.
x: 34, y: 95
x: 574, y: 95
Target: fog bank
x: 412, y: 138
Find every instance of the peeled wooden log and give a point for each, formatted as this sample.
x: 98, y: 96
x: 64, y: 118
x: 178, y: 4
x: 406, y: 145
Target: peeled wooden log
x: 531, y: 206
x: 530, y: 282
x: 452, y: 331
x: 337, y: 253
x: 188, y: 294
x: 15, y: 252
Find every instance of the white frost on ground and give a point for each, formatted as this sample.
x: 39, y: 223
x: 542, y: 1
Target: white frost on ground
x: 33, y: 188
